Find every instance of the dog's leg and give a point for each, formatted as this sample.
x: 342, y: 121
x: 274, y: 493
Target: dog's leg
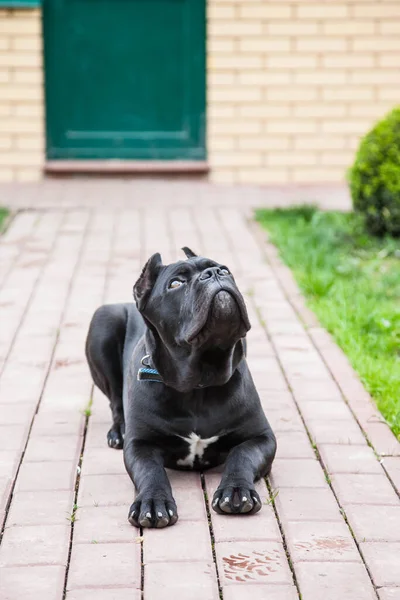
x: 115, y: 435
x: 104, y: 348
x: 154, y: 505
x: 246, y: 463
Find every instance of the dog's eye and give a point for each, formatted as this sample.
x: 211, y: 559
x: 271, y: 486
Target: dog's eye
x: 224, y: 271
x: 175, y: 283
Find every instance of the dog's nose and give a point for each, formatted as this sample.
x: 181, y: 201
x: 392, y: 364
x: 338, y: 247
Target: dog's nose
x: 211, y: 272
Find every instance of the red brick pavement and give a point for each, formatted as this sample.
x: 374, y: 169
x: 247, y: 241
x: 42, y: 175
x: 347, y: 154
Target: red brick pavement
x: 333, y: 532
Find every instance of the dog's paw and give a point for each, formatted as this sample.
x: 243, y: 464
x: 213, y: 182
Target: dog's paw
x: 115, y: 438
x: 235, y: 500
x: 150, y: 511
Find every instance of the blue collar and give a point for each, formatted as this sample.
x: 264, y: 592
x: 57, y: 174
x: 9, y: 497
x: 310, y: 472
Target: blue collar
x: 147, y: 373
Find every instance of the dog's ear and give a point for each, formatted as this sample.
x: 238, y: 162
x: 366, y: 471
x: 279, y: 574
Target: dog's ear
x: 189, y: 253
x: 146, y: 281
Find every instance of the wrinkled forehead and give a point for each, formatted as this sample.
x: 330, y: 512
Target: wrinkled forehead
x: 186, y: 268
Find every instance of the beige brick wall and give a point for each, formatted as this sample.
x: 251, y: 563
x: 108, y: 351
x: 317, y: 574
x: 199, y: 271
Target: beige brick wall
x: 21, y: 95
x: 293, y: 85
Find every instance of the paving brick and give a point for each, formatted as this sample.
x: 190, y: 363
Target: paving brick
x: 285, y: 420
x: 106, y: 490
x: 279, y: 405
x: 293, y: 445
x: 183, y: 479
x: 38, y: 545
x: 252, y: 562
x: 282, y: 326
x: 99, y: 461
x: 325, y: 410
x: 48, y: 448
x: 260, y: 592
x: 97, y: 434
x: 389, y: 593
x: 383, y: 560
x: 364, y: 489
x: 261, y: 365
x: 103, y: 524
x: 392, y: 466
x: 300, y: 504
x: 101, y: 412
x: 9, y: 415
x: 9, y: 460
x: 334, y: 581
x: 305, y: 357
x: 115, y: 594
x: 365, y: 410
x: 35, y: 583
x: 62, y: 398
x: 55, y: 423
x: 273, y: 382
x: 318, y: 541
x: 328, y: 432
x: 13, y: 437
x: 382, y: 439
x: 104, y: 565
x: 297, y: 473
x: 374, y: 523
x: 185, y: 541
x: 40, y: 508
x: 314, y: 389
x: 5, y: 490
x: 302, y: 369
x: 349, y: 459
x: 190, y: 502
x: 101, y: 415
x: 297, y: 343
x: 196, y: 580
x: 261, y: 526
x: 277, y: 401
x: 46, y: 476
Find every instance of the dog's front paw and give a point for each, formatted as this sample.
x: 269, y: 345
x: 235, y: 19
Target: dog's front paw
x: 235, y: 500
x: 153, y: 510
x: 115, y: 437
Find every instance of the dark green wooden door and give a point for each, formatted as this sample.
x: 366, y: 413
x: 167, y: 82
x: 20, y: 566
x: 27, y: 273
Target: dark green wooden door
x: 125, y: 79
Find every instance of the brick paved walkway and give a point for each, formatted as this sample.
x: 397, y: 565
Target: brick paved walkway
x: 334, y: 530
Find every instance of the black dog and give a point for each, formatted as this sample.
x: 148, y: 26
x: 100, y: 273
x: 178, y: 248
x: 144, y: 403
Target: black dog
x: 180, y: 390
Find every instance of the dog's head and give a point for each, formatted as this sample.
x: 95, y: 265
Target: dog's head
x: 193, y: 305
x: 194, y: 302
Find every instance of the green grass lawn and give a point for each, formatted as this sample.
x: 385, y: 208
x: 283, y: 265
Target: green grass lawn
x: 352, y: 283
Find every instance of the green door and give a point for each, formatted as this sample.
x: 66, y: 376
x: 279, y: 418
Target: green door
x: 125, y: 79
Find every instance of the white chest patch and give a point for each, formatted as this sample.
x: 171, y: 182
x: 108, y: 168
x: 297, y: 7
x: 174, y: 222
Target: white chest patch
x: 197, y: 445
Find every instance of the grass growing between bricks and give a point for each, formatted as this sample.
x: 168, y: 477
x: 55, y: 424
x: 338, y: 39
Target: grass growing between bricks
x: 352, y: 283
x: 3, y: 215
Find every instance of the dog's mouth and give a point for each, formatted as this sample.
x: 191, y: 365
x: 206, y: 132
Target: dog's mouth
x: 225, y: 318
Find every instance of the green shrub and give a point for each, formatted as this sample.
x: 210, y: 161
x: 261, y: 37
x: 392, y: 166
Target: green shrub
x: 375, y: 177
